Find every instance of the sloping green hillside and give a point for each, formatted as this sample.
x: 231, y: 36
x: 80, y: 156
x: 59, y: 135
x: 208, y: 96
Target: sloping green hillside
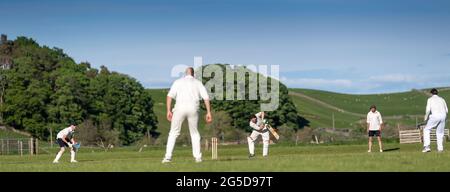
x: 350, y: 110
x: 406, y: 103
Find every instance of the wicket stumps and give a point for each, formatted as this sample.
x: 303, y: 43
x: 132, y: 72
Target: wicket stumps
x: 214, y: 143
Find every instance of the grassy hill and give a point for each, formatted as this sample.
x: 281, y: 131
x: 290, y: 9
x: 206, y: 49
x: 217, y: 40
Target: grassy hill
x: 4, y: 134
x: 403, y: 108
x: 406, y: 103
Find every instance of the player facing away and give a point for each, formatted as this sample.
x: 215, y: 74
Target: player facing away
x: 374, y: 127
x: 436, y: 114
x: 187, y: 92
x: 65, y: 139
x: 259, y: 128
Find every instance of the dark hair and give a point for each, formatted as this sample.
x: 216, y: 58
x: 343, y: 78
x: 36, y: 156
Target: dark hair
x: 434, y: 91
x: 191, y: 70
x: 373, y: 107
x: 252, y: 117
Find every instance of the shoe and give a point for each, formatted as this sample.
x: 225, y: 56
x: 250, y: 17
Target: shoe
x: 426, y: 149
x: 198, y: 160
x: 369, y: 151
x: 251, y: 156
x: 74, y: 161
x: 381, y: 150
x: 55, y: 162
x: 166, y: 161
x: 440, y: 151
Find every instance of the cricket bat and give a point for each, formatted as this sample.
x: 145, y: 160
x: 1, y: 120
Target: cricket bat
x: 275, y: 134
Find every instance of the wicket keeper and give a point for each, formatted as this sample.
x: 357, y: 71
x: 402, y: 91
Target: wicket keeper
x: 65, y: 139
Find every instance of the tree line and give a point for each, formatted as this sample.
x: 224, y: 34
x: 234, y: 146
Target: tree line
x: 47, y: 90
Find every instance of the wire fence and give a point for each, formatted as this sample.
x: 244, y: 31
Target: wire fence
x: 19, y: 146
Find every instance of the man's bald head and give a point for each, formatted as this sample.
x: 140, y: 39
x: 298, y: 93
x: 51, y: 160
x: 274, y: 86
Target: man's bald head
x: 190, y: 71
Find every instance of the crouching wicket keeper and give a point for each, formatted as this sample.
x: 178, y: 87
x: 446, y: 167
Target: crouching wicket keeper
x: 65, y: 139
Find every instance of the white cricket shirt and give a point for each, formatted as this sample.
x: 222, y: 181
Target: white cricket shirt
x: 187, y: 91
x: 259, y: 119
x: 65, y: 132
x: 436, y: 105
x: 374, y: 120
x: 254, y: 126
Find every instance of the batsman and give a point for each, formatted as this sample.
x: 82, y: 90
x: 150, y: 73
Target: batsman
x: 259, y: 128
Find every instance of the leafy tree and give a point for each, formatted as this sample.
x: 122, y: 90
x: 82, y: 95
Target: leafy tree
x: 240, y: 110
x: 47, y: 89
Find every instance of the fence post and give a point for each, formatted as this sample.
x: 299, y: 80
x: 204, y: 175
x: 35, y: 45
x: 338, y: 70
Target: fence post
x: 3, y: 152
x: 206, y: 145
x: 18, y: 146
x: 21, y: 148
x: 51, y: 138
x: 30, y: 145
x: 37, y: 146
x: 7, y: 146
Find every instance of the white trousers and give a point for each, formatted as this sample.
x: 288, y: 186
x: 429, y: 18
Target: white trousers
x: 179, y: 115
x: 437, y: 121
x: 252, y: 138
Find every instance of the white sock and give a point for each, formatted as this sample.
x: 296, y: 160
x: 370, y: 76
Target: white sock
x: 72, y: 155
x: 58, y: 156
x: 251, y: 145
x: 265, y: 148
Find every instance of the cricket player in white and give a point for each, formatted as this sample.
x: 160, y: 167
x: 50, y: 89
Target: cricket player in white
x: 259, y: 128
x: 65, y: 139
x: 187, y: 92
x: 436, y: 114
x: 374, y: 126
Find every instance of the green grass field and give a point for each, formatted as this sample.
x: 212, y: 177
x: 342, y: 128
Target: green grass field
x: 283, y: 158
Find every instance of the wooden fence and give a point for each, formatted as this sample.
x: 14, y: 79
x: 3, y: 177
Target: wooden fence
x: 416, y: 135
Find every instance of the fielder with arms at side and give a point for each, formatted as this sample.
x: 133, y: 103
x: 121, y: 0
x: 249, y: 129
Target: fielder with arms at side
x: 374, y: 126
x: 187, y: 92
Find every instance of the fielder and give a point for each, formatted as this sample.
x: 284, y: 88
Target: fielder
x: 374, y: 126
x: 259, y: 128
x: 436, y: 113
x: 187, y: 92
x: 65, y: 139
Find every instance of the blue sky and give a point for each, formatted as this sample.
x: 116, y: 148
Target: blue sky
x: 351, y: 46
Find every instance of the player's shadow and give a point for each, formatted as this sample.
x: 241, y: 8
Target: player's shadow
x: 391, y: 149
x: 86, y: 160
